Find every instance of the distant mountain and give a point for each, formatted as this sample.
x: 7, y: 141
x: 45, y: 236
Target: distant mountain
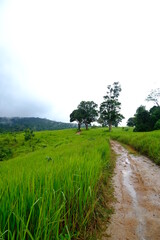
x: 17, y: 124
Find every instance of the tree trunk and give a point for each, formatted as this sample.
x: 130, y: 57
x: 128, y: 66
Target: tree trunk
x: 86, y: 126
x: 110, y: 127
x: 79, y: 127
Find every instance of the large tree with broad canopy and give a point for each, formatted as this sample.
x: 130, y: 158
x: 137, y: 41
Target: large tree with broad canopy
x: 86, y: 113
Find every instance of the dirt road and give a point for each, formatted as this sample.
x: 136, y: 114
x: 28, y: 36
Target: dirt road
x: 137, y: 190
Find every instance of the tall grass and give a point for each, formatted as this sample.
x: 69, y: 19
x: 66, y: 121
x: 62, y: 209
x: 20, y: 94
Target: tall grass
x: 147, y: 143
x: 51, y: 193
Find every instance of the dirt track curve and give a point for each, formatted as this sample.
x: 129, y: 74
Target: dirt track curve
x: 137, y: 190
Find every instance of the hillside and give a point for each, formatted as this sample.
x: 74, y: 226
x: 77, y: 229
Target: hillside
x: 17, y: 124
x: 57, y: 184
x: 51, y: 185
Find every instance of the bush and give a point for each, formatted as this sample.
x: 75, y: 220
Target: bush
x: 125, y: 129
x: 157, y: 125
x: 5, y: 153
x: 28, y: 135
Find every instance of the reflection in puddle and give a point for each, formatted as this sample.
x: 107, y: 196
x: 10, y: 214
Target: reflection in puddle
x: 128, y: 184
x: 137, y: 189
x: 126, y: 178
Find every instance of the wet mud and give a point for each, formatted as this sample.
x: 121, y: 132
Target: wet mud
x: 137, y: 192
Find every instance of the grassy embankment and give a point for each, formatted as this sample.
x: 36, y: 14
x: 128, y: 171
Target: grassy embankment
x: 50, y: 186
x: 147, y: 143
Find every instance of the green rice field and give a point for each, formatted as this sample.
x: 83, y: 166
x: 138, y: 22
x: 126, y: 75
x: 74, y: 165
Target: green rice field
x: 49, y: 188
x: 50, y: 184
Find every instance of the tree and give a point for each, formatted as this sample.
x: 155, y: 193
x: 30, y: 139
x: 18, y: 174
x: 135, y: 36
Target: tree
x: 77, y: 115
x: 110, y: 108
x: 85, y: 113
x: 157, y: 125
x: 154, y: 96
x: 131, y: 122
x: 90, y: 112
x: 142, y: 120
x: 145, y: 120
x: 155, y: 116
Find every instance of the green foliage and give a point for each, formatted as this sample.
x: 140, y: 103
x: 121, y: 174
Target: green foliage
x: 145, y: 120
x: 110, y: 108
x: 125, y: 129
x: 157, y: 125
x: 142, y: 120
x: 51, y: 193
x: 28, y: 134
x: 77, y: 115
x: 6, y: 147
x: 131, y: 122
x: 85, y: 113
x: 5, y: 153
x: 89, y: 109
x: 155, y: 116
x: 16, y: 145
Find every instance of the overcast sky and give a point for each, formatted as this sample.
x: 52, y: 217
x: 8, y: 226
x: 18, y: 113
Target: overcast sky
x: 54, y: 54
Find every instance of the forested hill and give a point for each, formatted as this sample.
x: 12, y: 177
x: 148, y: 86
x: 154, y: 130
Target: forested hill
x: 16, y: 124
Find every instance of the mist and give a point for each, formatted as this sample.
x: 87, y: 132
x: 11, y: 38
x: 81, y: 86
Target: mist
x: 55, y: 54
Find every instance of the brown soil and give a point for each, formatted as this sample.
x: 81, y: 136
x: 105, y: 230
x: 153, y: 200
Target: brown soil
x: 137, y: 190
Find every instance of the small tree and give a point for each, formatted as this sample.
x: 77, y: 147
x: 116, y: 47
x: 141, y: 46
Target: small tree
x: 28, y: 134
x: 110, y: 108
x: 131, y: 122
x: 142, y: 120
x: 154, y: 96
x: 90, y: 112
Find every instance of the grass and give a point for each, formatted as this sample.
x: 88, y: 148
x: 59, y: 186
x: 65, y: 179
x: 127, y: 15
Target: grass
x: 147, y: 143
x: 50, y: 186
x: 57, y: 185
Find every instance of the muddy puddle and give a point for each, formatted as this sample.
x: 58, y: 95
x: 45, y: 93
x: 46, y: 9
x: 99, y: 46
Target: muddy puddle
x: 137, y: 190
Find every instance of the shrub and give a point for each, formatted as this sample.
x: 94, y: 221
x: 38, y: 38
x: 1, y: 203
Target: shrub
x: 157, y: 125
x: 28, y: 135
x: 5, y: 153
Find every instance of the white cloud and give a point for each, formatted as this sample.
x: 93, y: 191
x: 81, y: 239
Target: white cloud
x: 67, y: 51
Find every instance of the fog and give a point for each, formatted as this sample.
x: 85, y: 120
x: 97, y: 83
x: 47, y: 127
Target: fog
x: 54, y: 54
